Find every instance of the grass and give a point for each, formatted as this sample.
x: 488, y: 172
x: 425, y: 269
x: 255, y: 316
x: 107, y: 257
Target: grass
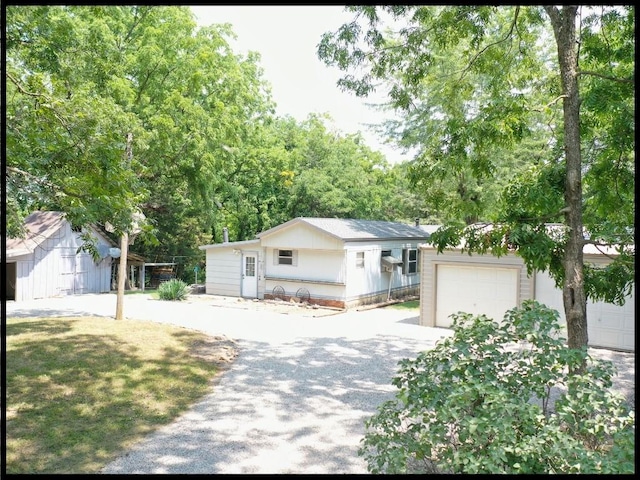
x: 81, y: 390
x: 410, y: 305
x: 147, y: 291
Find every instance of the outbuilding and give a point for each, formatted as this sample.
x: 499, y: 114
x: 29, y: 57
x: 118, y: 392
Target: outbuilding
x: 453, y: 281
x: 47, y: 263
x: 324, y: 261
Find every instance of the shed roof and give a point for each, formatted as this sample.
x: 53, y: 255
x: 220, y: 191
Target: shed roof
x: 38, y: 227
x: 348, y: 229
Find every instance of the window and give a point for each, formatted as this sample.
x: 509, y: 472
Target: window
x: 250, y: 266
x: 359, y: 259
x: 409, y: 261
x: 285, y: 257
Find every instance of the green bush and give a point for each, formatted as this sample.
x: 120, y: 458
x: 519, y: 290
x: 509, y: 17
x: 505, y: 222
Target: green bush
x: 173, y: 289
x: 500, y: 399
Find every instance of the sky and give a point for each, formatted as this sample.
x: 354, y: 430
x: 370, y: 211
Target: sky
x: 286, y: 38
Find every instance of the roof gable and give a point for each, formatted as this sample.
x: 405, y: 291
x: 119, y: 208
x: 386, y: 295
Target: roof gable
x: 347, y: 229
x: 39, y: 226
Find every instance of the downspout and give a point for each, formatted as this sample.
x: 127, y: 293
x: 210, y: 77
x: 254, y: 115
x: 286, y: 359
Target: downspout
x: 390, y: 281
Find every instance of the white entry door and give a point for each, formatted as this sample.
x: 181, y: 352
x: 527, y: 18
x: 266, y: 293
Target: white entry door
x: 249, y: 275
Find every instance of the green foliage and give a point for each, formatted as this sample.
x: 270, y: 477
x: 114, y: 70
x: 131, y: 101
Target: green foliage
x: 207, y: 150
x: 517, y: 121
x: 174, y: 289
x: 499, y: 398
x: 81, y: 390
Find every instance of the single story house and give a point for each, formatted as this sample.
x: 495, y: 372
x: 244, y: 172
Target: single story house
x: 454, y: 281
x: 46, y: 263
x: 325, y: 261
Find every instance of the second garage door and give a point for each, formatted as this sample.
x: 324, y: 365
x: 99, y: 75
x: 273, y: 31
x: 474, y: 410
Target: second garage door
x: 608, y: 325
x: 476, y: 290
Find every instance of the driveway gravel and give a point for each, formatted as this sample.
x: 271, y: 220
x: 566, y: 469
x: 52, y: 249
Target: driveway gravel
x: 295, y: 398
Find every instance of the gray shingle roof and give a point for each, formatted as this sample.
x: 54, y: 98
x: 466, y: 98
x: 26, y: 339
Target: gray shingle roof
x: 353, y: 229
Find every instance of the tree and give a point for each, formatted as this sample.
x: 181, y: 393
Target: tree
x: 65, y: 140
x: 336, y: 175
x: 183, y: 94
x: 497, y: 398
x: 494, y: 102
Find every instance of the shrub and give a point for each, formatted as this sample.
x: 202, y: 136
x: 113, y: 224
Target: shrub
x: 173, y: 289
x: 500, y: 398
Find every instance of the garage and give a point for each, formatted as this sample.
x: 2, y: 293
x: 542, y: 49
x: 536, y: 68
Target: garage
x: 608, y: 325
x: 453, y: 281
x: 474, y: 289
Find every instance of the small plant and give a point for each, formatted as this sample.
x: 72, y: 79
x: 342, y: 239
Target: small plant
x: 501, y: 398
x: 173, y: 289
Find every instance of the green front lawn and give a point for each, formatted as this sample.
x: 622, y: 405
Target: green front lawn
x: 79, y: 391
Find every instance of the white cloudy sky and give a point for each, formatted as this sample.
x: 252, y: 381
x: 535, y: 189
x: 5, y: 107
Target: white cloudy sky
x: 286, y: 38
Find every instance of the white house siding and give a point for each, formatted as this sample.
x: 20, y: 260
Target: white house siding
x: 319, y: 264
x: 40, y: 273
x: 301, y: 237
x: 223, y: 272
x: 430, y: 260
x: 312, y: 265
x: 371, y: 283
x: 319, y: 292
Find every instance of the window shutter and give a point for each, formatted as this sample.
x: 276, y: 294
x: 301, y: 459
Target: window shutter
x: 405, y: 258
x: 275, y: 256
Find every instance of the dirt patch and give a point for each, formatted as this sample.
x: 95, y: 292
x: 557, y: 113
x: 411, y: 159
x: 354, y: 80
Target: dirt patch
x: 275, y: 306
x: 219, y: 350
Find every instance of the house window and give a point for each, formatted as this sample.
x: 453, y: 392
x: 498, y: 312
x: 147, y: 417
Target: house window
x: 409, y: 261
x: 359, y: 259
x: 285, y: 257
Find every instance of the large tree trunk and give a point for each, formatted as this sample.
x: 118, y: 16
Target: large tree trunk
x: 563, y: 21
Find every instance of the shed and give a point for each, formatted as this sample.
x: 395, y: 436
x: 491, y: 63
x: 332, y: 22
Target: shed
x: 46, y: 263
x: 324, y: 261
x: 454, y: 281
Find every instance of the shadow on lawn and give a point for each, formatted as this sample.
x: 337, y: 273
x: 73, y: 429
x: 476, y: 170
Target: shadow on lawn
x: 70, y: 396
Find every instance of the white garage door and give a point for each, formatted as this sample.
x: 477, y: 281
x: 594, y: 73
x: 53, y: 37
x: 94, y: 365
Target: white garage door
x: 608, y: 325
x: 477, y: 290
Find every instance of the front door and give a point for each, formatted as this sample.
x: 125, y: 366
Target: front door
x: 249, y: 275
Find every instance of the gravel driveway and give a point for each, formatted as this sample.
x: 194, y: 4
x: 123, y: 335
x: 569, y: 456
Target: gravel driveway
x: 295, y: 398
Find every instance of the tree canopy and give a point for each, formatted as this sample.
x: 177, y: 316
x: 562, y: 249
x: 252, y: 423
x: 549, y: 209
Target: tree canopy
x: 207, y: 150
x: 522, y: 118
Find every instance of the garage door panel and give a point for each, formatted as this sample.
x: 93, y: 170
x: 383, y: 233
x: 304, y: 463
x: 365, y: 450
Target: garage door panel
x: 608, y: 325
x: 476, y: 290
